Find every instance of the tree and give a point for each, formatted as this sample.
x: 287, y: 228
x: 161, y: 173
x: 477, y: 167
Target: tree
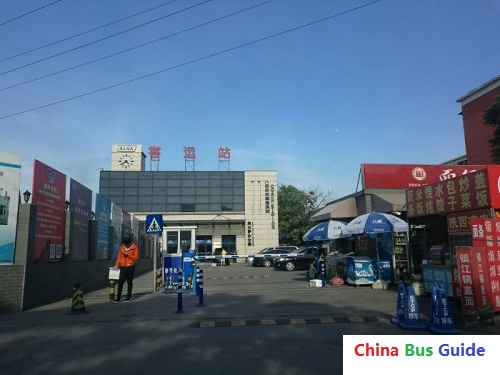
x: 492, y: 117
x: 295, y: 210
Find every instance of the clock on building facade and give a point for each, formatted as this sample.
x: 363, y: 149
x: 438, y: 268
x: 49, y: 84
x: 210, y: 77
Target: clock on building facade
x: 126, y: 161
x: 127, y: 158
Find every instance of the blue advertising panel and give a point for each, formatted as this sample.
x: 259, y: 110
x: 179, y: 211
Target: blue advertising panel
x: 438, y: 275
x: 116, y: 223
x: 103, y: 217
x: 80, y: 198
x: 189, y: 271
x: 10, y: 175
x: 359, y: 271
x: 382, y: 270
x: 172, y: 263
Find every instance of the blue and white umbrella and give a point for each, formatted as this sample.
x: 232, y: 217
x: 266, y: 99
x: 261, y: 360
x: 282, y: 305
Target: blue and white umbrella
x: 328, y: 230
x: 376, y: 222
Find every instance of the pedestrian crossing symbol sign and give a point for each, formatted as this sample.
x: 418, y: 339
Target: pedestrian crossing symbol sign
x: 154, y: 224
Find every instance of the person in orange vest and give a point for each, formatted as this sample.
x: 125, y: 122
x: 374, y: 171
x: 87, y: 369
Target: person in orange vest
x: 125, y: 261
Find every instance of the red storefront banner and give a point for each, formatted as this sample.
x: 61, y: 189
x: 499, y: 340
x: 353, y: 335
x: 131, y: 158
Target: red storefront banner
x: 49, y: 192
x: 474, y: 280
x: 472, y: 191
x: 407, y: 176
x: 460, y: 222
x: 486, y: 234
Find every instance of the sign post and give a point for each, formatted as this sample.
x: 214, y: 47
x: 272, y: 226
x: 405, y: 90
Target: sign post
x: 154, y: 225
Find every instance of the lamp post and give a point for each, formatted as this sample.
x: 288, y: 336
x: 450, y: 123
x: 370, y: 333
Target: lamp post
x: 26, y: 196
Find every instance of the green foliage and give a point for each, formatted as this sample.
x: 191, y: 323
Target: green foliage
x: 492, y: 117
x: 295, y: 210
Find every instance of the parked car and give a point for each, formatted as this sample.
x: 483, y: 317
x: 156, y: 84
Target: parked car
x: 268, y: 262
x: 301, y: 260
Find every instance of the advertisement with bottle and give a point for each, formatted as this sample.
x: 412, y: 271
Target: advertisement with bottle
x: 10, y: 176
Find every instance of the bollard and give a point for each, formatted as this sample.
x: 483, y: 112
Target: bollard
x: 199, y: 286
x: 323, y: 275
x: 179, y: 292
x: 158, y: 280
x: 111, y: 290
x: 400, y: 305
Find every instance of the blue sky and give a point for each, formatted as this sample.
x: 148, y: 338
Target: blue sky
x: 376, y: 84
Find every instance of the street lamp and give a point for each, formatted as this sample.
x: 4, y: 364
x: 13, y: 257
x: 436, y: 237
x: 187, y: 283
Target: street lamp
x: 26, y: 196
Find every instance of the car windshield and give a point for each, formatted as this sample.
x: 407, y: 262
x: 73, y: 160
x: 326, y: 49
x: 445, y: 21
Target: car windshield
x: 298, y: 251
x: 263, y: 251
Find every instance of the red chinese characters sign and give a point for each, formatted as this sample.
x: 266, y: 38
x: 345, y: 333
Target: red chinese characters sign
x: 407, y: 176
x: 189, y: 152
x: 460, y: 222
x: 49, y: 192
x: 224, y: 153
x: 474, y: 280
x: 472, y: 191
x: 486, y: 234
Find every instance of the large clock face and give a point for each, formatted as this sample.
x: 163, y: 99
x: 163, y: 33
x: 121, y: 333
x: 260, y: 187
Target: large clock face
x: 126, y: 161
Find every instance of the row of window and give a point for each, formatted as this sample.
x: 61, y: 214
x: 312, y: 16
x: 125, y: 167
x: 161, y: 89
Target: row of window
x: 174, y: 191
x: 184, y: 176
x: 168, y: 192
x: 183, y: 207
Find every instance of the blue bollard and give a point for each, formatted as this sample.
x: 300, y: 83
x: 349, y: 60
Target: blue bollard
x: 401, y: 305
x: 179, y: 293
x: 434, y: 303
x: 323, y: 275
x: 199, y: 283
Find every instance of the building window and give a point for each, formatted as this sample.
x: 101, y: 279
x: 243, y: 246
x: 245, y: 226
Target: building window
x: 188, y: 207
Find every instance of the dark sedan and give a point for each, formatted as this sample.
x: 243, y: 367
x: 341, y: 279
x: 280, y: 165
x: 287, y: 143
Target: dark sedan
x: 264, y: 261
x: 300, y: 259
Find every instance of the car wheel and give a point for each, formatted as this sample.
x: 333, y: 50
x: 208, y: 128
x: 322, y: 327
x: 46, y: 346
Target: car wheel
x: 289, y: 266
x: 267, y: 263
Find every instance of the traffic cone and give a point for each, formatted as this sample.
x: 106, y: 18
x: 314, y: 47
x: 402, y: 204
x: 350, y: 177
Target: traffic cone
x: 412, y: 312
x: 77, y: 303
x: 401, y: 305
x: 441, y: 320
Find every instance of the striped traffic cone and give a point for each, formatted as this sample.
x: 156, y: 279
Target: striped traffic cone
x: 77, y: 303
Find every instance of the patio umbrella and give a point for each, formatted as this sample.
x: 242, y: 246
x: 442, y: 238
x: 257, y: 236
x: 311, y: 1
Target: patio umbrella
x: 328, y: 230
x: 376, y: 222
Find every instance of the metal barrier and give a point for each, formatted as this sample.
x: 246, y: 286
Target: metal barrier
x: 219, y: 257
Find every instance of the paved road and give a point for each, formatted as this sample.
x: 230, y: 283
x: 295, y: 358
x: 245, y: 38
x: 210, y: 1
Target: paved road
x: 255, y: 321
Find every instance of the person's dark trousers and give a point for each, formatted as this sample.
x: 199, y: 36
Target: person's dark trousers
x: 126, y: 273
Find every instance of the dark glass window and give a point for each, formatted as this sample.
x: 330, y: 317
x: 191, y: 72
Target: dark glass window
x: 188, y: 183
x: 150, y: 191
x: 188, y: 207
x: 174, y: 183
x: 130, y: 191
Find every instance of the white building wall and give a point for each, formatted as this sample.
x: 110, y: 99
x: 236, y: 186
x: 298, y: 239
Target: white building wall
x: 261, y: 210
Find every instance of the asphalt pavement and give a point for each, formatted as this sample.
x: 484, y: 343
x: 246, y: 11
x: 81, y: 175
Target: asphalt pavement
x: 252, y: 321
